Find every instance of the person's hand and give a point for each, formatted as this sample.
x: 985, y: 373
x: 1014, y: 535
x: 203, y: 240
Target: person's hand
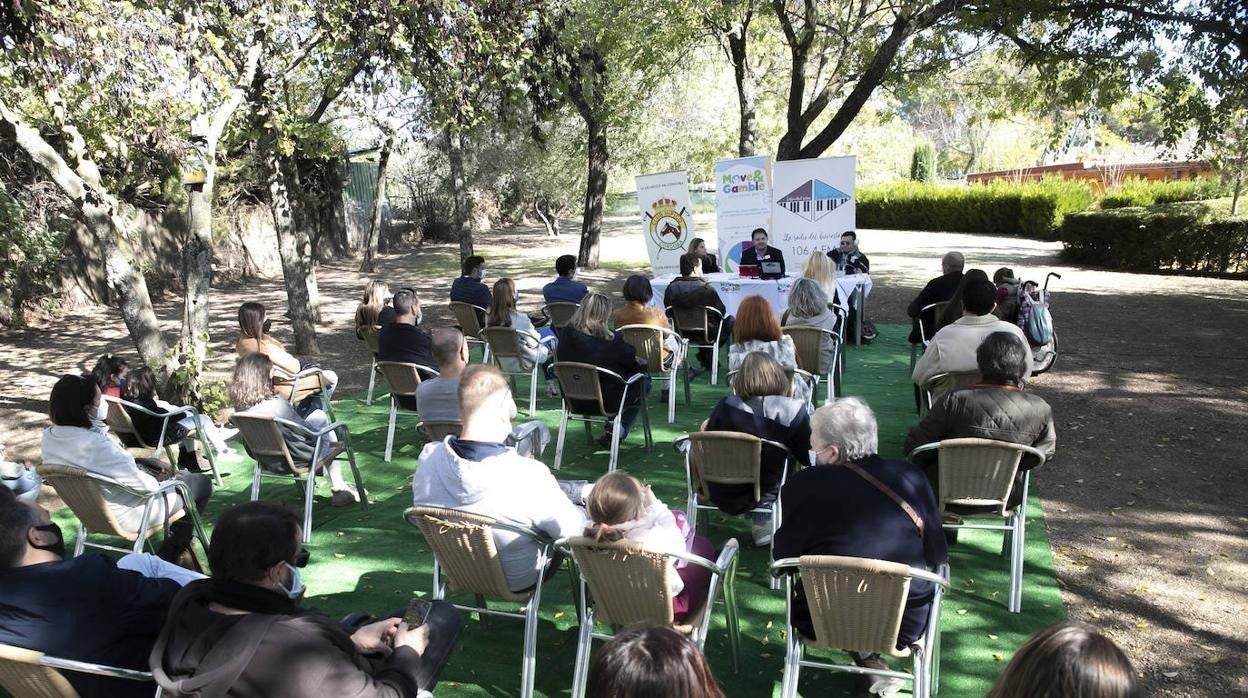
x: 377, y: 637
x: 642, y: 362
x: 416, y: 638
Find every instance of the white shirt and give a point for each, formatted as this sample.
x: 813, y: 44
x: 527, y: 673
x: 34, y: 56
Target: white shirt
x: 953, y: 347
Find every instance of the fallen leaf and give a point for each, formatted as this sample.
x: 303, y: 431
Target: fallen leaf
x: 558, y: 614
x: 1094, y: 614
x: 997, y: 657
x: 991, y: 636
x: 1169, y: 674
x: 340, y: 555
x: 1111, y: 538
x: 962, y: 611
x: 1142, y: 624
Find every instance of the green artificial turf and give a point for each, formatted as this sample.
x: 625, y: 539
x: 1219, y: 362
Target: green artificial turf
x: 374, y: 561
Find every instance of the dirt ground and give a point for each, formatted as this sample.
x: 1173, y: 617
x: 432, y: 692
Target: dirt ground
x: 1145, y: 501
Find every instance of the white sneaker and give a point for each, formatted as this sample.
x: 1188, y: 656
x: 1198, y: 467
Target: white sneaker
x: 226, y: 433
x: 887, y: 686
x: 762, y: 534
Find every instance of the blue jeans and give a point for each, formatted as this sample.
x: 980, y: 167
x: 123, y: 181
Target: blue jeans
x: 632, y: 405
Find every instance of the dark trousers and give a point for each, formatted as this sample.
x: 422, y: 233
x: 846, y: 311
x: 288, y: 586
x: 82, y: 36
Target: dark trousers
x: 632, y: 405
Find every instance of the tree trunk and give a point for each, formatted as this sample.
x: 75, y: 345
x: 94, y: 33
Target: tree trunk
x: 459, y: 193
x: 595, y: 194
x: 294, y: 250
x: 197, y: 277
x: 369, y: 265
x: 541, y: 206
x: 1239, y: 189
x: 747, y: 132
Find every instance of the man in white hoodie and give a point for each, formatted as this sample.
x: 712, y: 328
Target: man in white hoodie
x: 476, y: 472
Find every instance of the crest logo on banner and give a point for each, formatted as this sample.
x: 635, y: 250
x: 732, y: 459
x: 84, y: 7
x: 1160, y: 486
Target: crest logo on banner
x: 667, y: 225
x: 813, y: 200
x: 666, y: 218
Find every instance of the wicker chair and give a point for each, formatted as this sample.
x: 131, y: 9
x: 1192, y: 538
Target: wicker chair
x: 929, y: 312
x: 943, y: 383
x: 464, y: 548
x: 87, y: 495
x: 371, y: 337
x: 560, y: 313
x: 694, y: 324
x: 119, y: 421
x: 727, y: 458
x: 300, y: 386
x: 809, y: 341
x: 437, y: 431
x: 468, y: 317
x: 510, y: 343
x: 583, y: 382
x: 263, y: 440
x: 649, y: 342
x: 32, y: 674
x: 793, y: 374
x: 857, y: 604
x: 982, y: 473
x: 624, y: 584
x: 404, y: 379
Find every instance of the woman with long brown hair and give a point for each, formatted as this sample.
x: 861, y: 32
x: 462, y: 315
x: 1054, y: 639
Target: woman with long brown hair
x: 1067, y: 660
x: 253, y: 336
x: 503, y: 313
x: 758, y: 329
x: 648, y: 662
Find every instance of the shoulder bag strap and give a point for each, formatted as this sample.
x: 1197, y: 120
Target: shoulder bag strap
x: 905, y: 506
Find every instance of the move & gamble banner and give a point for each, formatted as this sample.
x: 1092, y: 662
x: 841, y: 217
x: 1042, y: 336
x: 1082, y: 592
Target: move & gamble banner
x: 666, y: 218
x: 813, y: 204
x: 742, y: 203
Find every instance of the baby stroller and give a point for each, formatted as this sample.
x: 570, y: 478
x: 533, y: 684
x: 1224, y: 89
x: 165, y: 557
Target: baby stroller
x: 1037, y: 323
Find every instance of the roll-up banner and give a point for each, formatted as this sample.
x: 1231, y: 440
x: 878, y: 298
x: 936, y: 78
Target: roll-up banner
x: 813, y: 205
x: 742, y: 203
x: 666, y: 218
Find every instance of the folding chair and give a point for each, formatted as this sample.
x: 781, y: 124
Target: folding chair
x: 694, y: 323
x: 624, y: 584
x: 465, y: 548
x: 119, y: 421
x: 437, y: 431
x: 808, y: 341
x: 263, y: 440
x: 649, y: 342
x: 560, y: 313
x: 583, y: 383
x: 508, y: 345
x: 931, y: 311
x: 856, y: 604
x: 297, y: 394
x: 982, y: 473
x: 947, y: 382
x: 32, y: 674
x: 468, y: 317
x: 371, y: 336
x: 404, y: 379
x: 728, y: 458
x: 88, y: 495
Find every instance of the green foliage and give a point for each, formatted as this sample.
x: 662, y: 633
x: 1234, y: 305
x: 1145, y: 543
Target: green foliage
x: 1191, y: 236
x: 923, y: 163
x: 1034, y: 209
x: 214, y: 398
x: 30, y: 254
x: 1138, y: 192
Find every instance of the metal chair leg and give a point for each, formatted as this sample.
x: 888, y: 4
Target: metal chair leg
x: 394, y: 407
x: 563, y: 433
x: 533, y: 391
x: 372, y: 381
x: 530, y: 642
x: 307, y: 505
x: 584, y: 646
x: 615, y: 442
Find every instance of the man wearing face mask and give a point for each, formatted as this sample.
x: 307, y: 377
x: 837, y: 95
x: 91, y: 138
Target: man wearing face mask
x: 403, y: 340
x: 565, y: 289
x: 85, y: 608
x: 243, y: 632
x: 469, y: 288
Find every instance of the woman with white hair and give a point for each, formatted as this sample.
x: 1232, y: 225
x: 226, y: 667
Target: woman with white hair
x: 808, y: 307
x: 845, y: 505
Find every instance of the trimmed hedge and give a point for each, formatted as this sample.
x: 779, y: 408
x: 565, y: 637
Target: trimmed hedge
x: 1193, y: 236
x: 1032, y: 209
x: 1138, y: 192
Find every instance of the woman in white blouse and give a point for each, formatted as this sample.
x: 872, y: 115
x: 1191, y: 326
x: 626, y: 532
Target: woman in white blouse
x: 758, y: 329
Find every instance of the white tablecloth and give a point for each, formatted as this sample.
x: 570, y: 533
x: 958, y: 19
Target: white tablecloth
x: 733, y: 289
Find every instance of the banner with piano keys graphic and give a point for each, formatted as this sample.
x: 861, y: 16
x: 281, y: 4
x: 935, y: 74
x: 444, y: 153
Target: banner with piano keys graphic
x: 666, y: 218
x: 813, y: 204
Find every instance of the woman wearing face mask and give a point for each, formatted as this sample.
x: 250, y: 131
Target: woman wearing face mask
x: 242, y: 631
x: 75, y: 404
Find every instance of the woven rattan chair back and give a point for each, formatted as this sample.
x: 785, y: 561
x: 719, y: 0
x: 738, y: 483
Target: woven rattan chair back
x: 692, y: 322
x: 648, y: 342
x: 466, y: 315
x: 403, y: 378
x: 725, y: 458
x: 21, y: 675
x: 929, y: 315
x: 263, y: 439
x: 945, y: 383
x: 628, y: 584
x: 808, y: 342
x: 437, y: 431
x: 371, y: 337
x: 118, y: 419
x: 88, y: 499
x: 977, y: 472
x: 581, y: 382
x: 856, y: 604
x: 560, y: 313
x: 504, y: 343
x: 463, y: 544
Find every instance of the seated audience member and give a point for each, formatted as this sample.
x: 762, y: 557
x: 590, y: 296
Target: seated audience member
x: 808, y: 307
x: 586, y: 339
x: 244, y: 632
x: 690, y: 290
x: 141, y: 390
x: 822, y: 270
x: 953, y: 348
x: 469, y: 288
x: 638, y: 311
x: 253, y: 326
x: 251, y: 390
x: 834, y: 508
x: 937, y: 290
x: 374, y: 309
x: 1007, y: 294
x: 438, y: 398
x: 620, y: 507
x: 710, y: 264
x: 75, y: 402
x: 110, y: 374
x: 646, y: 662
x: 85, y: 608
x: 478, y: 473
x: 503, y: 313
x: 848, y: 257
x: 760, y: 407
x: 564, y: 289
x: 953, y: 310
x: 19, y: 478
x: 995, y: 408
x: 761, y: 252
x: 403, y: 340
x: 757, y: 329
x: 1067, y: 660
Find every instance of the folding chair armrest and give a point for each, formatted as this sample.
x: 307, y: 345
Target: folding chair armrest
x: 939, y: 578
x: 427, y: 370
x: 91, y: 668
x: 784, y: 566
x: 933, y: 446
x: 550, y: 339
x: 681, y: 444
x: 634, y: 378
x: 726, y: 556
x: 153, y: 413
x: 776, y: 444
x: 527, y: 531
x: 308, y: 430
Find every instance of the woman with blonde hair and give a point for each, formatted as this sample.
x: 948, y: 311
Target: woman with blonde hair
x: 757, y: 329
x: 1068, y: 660
x: 374, y: 309
x: 822, y: 271
x: 253, y: 337
x: 587, y: 339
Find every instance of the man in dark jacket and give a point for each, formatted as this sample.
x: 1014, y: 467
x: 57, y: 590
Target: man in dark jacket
x: 564, y: 289
x: 243, y: 632
x: 86, y: 608
x: 690, y: 290
x: 995, y: 408
x: 762, y: 252
x: 938, y: 290
x: 848, y: 257
x: 469, y: 287
x: 402, y: 340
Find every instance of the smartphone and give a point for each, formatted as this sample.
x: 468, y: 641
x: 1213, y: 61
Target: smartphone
x: 417, y: 613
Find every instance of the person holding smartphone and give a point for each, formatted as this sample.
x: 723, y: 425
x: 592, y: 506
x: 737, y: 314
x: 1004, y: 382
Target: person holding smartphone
x: 243, y: 630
